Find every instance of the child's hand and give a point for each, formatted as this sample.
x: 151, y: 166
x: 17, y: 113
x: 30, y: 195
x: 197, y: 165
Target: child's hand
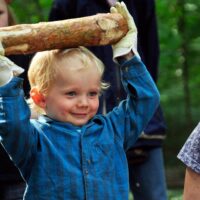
x: 129, y: 41
x: 8, y: 69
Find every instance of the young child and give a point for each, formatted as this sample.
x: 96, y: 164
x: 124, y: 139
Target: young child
x: 70, y: 152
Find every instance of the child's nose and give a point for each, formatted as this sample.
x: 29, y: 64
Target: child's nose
x: 83, y: 101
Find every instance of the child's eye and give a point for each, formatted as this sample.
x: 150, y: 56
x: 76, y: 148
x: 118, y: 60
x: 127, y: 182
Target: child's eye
x: 71, y: 94
x: 93, y: 94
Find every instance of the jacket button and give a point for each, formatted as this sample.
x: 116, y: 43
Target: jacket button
x: 89, y: 162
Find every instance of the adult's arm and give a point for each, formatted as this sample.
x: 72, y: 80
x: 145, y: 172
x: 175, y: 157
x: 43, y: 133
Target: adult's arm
x: 190, y: 152
x: 18, y: 136
x: 191, y: 185
x: 190, y: 156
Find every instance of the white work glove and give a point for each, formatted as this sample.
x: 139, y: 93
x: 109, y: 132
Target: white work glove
x: 8, y: 69
x: 129, y: 41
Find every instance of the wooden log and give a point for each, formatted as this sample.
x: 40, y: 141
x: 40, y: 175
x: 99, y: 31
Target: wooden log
x: 96, y: 30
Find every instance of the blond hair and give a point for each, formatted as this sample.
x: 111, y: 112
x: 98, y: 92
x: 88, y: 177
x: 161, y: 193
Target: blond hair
x: 45, y: 65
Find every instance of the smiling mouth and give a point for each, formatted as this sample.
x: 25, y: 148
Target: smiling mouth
x: 80, y: 115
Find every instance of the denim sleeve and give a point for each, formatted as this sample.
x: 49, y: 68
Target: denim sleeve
x: 190, y: 152
x: 133, y: 114
x: 15, y: 126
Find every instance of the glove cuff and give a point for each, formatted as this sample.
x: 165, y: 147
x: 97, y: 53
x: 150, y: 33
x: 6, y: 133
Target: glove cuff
x: 6, y: 75
x: 123, y: 51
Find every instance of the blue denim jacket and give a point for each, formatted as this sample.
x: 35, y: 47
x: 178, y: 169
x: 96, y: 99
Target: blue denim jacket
x: 61, y: 161
x: 9, y: 174
x: 143, y: 12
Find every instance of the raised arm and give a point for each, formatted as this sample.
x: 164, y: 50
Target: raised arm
x: 134, y: 113
x: 127, y: 46
x: 15, y: 123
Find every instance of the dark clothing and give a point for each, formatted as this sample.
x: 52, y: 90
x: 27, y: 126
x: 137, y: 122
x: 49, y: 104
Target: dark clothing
x: 12, y: 190
x: 12, y: 185
x: 142, y: 11
x: 23, y: 61
x: 146, y: 178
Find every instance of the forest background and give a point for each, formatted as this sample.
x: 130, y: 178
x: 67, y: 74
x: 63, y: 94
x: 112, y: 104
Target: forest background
x: 179, y: 73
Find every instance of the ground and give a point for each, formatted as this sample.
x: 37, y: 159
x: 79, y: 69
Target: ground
x: 173, y: 194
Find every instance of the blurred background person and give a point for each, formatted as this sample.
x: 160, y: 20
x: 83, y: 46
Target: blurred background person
x: 190, y: 157
x: 146, y: 165
x: 12, y: 186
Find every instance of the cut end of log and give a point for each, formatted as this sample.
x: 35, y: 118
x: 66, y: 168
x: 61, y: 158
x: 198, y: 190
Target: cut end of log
x: 111, y: 30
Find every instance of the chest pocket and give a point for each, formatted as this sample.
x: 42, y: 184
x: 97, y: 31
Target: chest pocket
x: 102, y: 160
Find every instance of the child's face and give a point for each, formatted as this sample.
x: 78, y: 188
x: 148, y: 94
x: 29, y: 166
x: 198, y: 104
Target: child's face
x: 74, y: 97
x: 3, y: 14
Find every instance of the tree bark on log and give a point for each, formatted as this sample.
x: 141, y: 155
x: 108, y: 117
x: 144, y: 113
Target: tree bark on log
x: 96, y: 30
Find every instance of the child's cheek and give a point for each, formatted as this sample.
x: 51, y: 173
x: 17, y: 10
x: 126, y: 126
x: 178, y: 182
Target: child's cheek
x: 63, y: 110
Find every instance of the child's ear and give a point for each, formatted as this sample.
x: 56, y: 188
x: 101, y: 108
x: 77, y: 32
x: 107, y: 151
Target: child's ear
x: 37, y: 97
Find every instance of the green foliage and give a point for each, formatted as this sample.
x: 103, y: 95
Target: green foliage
x: 171, y: 72
x: 31, y: 11
x: 170, y: 80
x: 175, y: 195
x: 172, y: 195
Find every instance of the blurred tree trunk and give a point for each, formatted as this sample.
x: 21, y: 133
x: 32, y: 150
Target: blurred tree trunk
x: 182, y: 29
